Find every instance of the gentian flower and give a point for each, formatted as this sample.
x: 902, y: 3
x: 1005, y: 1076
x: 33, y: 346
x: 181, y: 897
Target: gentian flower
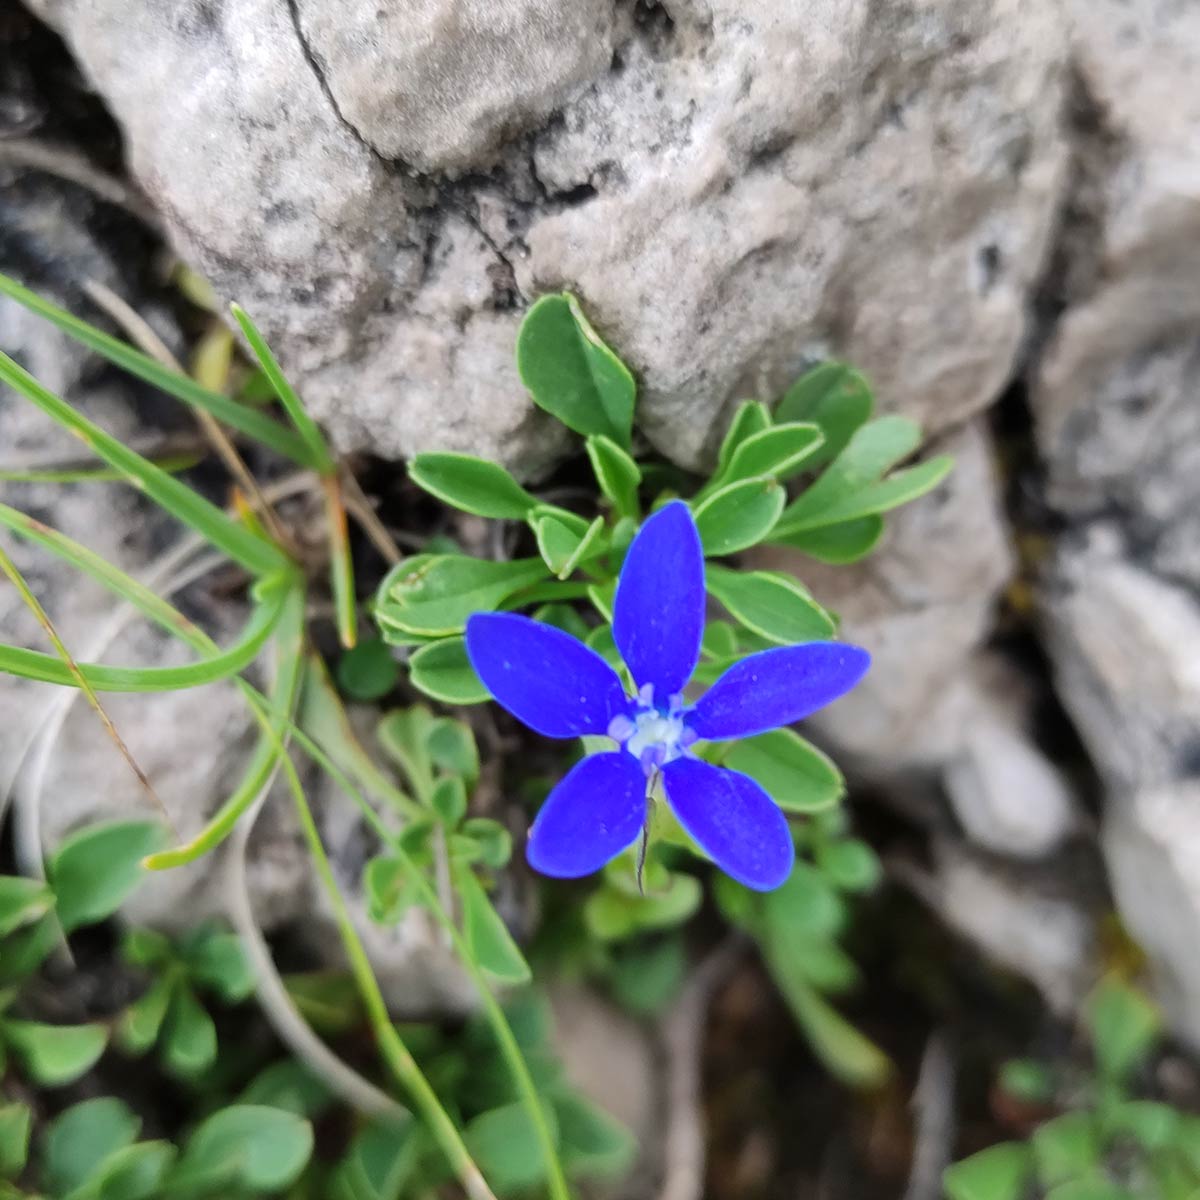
x: 561, y: 688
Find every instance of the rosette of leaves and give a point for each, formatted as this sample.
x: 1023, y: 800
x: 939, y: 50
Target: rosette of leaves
x: 171, y: 1014
x: 91, y: 1151
x: 1109, y: 1144
x: 815, y: 474
x: 439, y: 761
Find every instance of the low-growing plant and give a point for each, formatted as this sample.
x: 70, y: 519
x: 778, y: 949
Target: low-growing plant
x: 1105, y: 1143
x: 595, y: 634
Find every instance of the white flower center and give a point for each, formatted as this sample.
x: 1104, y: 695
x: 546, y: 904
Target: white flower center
x: 652, y: 730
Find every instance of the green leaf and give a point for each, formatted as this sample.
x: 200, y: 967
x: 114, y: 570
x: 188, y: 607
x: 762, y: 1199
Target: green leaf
x: 133, y: 1173
x: 15, y: 1123
x: 473, y: 485
x: 146, y: 947
x: 602, y: 596
x: 564, y: 617
x: 1066, y: 1148
x: 1151, y: 1124
x: 798, y: 776
x: 53, y: 1055
x: 24, y: 950
x: 22, y: 902
x: 997, y: 1173
x: 592, y: 1143
x: 562, y: 547
x: 368, y: 671
x: 824, y: 964
x: 773, y: 605
x: 492, y: 946
x: 216, y: 960
x: 852, y: 865
x: 96, y: 869
x: 571, y: 373
x: 1095, y: 1187
x: 451, y: 746
x: 616, y: 473
x: 841, y: 544
x: 434, y: 595
x: 189, y: 1044
x: 388, y: 888
x: 847, y: 1054
x: 140, y: 1023
x: 720, y: 640
x: 262, y: 1149
x: 867, y: 457
x: 443, y: 671
x: 779, y: 452
x: 493, y: 840
x: 804, y: 906
x: 1027, y: 1080
x: 885, y: 495
x: 80, y: 1139
x: 739, y: 515
x: 646, y: 979
x: 750, y: 417
x: 611, y: 914
x: 449, y: 800
x: 1125, y: 1026
x: 833, y: 396
x: 289, y: 1085
x: 505, y: 1145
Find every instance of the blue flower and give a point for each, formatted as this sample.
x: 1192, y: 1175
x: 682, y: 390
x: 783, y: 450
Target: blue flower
x: 563, y: 689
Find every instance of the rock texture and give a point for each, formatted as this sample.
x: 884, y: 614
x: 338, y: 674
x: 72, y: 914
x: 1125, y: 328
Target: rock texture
x: 731, y: 190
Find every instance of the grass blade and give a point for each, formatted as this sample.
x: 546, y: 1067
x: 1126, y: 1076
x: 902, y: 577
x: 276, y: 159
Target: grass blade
x: 34, y: 605
x: 254, y: 553
x: 271, y: 598
x: 318, y: 450
x: 341, y: 566
x: 249, y: 421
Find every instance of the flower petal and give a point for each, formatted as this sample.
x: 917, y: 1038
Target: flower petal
x: 596, y: 811
x: 546, y: 678
x: 658, y: 613
x: 776, y: 687
x: 732, y: 820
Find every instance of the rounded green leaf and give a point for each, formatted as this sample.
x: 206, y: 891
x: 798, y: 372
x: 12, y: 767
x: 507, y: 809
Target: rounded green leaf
x: 494, y: 842
x: 368, y: 671
x: 507, y: 1149
x: 95, y: 870
x: 140, y: 1024
x: 833, y: 396
x: 22, y: 902
x: 1066, y: 1147
x: 851, y: 865
x: 263, y: 1149
x: 443, y: 671
x: 797, y: 776
x: 449, y: 800
x: 616, y: 473
x: 773, y: 605
x: 217, y: 961
x: 15, y: 1123
x: 53, y: 1055
x: 750, y: 417
x: 1027, y: 1080
x: 134, y: 1173
x: 434, y: 594
x: 591, y: 1142
x: 451, y: 746
x: 389, y: 890
x: 80, y: 1139
x: 1124, y: 1024
x: 1001, y: 1172
x: 471, y: 484
x: 739, y: 515
x: 189, y: 1044
x: 804, y: 906
x: 571, y: 373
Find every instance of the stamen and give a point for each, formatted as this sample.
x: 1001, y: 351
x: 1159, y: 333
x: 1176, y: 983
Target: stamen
x: 621, y: 728
x: 646, y: 695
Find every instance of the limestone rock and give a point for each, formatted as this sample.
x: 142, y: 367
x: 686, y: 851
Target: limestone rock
x: 734, y: 191
x: 440, y: 84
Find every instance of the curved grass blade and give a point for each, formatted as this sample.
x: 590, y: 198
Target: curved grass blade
x: 252, y: 552
x: 241, y: 417
x: 171, y: 463
x: 33, y: 664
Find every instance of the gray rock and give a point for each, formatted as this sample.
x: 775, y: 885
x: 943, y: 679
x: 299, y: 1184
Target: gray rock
x: 441, y: 85
x: 922, y: 605
x: 1152, y: 846
x: 735, y: 191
